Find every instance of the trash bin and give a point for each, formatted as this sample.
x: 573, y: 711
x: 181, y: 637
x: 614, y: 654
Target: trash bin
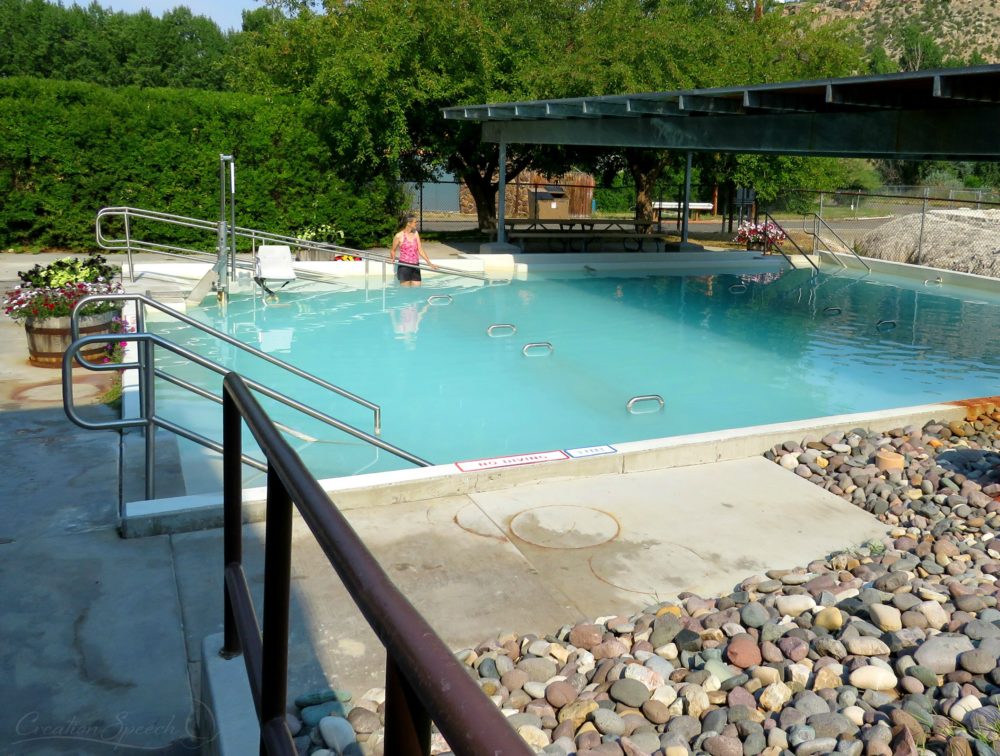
x: 548, y: 202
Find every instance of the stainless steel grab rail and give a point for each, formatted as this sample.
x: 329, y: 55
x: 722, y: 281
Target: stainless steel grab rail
x: 150, y: 420
x: 143, y: 300
x: 769, y: 243
x: 255, y: 236
x: 440, y: 298
x: 630, y: 404
x: 512, y: 329
x: 848, y: 247
x: 526, y: 349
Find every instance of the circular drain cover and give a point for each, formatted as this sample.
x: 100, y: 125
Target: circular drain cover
x: 564, y: 527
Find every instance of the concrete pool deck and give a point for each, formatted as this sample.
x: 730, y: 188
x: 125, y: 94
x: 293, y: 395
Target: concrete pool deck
x: 102, y: 635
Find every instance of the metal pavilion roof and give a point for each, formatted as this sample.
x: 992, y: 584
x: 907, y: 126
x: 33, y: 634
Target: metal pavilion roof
x: 943, y: 114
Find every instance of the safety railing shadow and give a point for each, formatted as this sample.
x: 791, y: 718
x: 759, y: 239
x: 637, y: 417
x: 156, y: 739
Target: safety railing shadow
x: 424, y: 681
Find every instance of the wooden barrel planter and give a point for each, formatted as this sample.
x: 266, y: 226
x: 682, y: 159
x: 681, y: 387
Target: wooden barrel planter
x: 49, y: 338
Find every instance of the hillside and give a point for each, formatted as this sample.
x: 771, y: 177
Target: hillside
x: 963, y: 30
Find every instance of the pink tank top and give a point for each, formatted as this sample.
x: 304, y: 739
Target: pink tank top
x: 408, y: 249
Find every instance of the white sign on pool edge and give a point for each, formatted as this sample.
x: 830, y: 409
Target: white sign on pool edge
x: 517, y: 459
x: 591, y: 451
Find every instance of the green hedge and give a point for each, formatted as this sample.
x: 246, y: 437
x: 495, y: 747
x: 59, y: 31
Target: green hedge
x: 67, y: 149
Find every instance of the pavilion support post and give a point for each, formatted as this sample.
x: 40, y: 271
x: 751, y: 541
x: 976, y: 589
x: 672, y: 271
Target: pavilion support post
x: 687, y: 199
x: 502, y: 194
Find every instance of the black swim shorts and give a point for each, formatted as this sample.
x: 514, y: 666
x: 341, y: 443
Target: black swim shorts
x: 407, y: 273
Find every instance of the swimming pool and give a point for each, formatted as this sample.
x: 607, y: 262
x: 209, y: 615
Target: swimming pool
x: 722, y: 350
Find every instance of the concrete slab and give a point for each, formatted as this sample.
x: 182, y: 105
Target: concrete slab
x: 618, y: 542
x: 93, y: 652
x: 450, y: 561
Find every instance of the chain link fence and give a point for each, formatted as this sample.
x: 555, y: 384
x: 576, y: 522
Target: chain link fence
x: 928, y: 229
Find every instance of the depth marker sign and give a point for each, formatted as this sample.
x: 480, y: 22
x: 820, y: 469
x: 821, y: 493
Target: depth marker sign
x: 591, y: 451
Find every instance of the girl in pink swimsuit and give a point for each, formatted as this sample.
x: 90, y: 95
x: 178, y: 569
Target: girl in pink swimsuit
x: 407, y: 247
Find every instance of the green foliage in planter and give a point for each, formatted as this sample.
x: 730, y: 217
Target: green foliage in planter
x: 67, y: 149
x: 69, y: 270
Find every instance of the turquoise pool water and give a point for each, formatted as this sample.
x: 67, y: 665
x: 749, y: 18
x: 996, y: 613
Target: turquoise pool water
x: 723, y: 350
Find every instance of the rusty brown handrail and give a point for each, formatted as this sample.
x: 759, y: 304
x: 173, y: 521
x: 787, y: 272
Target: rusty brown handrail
x: 424, y: 680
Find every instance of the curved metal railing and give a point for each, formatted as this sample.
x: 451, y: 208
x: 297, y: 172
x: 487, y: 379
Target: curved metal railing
x: 148, y: 372
x: 130, y: 243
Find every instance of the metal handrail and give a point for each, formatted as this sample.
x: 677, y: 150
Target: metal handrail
x: 150, y: 420
x: 768, y: 242
x: 630, y: 404
x: 424, y: 681
x: 443, y: 298
x: 511, y: 326
x: 848, y: 247
x: 129, y: 243
x: 149, y: 302
x: 537, y: 344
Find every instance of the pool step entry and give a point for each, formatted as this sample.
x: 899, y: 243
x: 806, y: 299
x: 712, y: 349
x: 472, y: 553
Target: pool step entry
x: 537, y: 349
x: 501, y: 330
x: 645, y: 400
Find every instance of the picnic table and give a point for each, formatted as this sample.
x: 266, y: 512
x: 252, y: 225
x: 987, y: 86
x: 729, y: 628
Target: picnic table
x: 570, y: 231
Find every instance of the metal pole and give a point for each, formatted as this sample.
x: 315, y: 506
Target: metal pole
x: 147, y: 380
x: 232, y: 219
x: 408, y: 727
x: 232, y: 513
x: 221, y: 262
x: 420, y: 202
x: 502, y: 198
x: 920, y: 239
x: 687, y: 198
x: 128, y: 249
x: 277, y: 592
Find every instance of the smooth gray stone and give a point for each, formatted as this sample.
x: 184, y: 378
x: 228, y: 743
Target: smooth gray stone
x: 339, y: 736
x: 714, y: 720
x: 799, y: 734
x: 809, y: 703
x: 819, y: 745
x: 978, y: 629
x: 939, y: 653
x: 685, y: 726
x: 311, y: 715
x: 645, y: 740
x: 831, y: 725
x: 629, y: 692
x: 754, y: 614
x: 977, y: 661
x: 608, y: 723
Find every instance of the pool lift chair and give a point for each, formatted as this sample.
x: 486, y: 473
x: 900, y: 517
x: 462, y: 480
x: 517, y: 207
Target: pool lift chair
x: 273, y: 263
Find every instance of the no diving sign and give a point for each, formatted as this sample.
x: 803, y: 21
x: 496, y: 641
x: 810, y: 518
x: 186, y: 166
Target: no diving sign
x: 533, y: 458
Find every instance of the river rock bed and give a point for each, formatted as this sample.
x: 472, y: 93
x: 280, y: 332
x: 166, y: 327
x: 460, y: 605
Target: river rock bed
x: 886, y: 649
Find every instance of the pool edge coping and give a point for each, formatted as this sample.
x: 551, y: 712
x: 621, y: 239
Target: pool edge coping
x: 204, y: 511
